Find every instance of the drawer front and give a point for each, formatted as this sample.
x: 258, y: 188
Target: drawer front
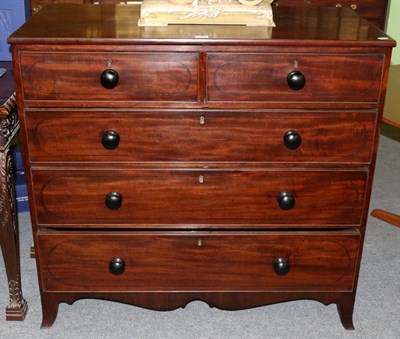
x: 187, y: 262
x: 264, y: 77
x: 196, y: 198
x: 141, y: 76
x: 199, y: 136
x: 365, y: 8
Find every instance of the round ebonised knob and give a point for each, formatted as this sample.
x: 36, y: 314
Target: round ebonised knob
x: 113, y: 200
x: 292, y: 139
x: 110, y: 139
x: 117, y: 266
x: 296, y: 80
x: 281, y: 266
x: 286, y: 200
x: 109, y: 78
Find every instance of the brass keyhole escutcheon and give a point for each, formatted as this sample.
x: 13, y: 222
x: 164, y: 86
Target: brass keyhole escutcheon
x: 202, y: 120
x: 201, y: 179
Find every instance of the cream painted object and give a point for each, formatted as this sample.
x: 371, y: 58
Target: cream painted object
x: 205, y: 12
x: 181, y: 2
x: 195, y: 2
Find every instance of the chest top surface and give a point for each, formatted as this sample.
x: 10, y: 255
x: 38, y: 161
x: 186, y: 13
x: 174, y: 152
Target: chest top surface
x: 117, y: 24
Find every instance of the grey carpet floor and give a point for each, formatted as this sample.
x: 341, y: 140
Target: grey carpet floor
x: 377, y: 309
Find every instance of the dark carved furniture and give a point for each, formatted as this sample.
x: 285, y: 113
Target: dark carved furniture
x: 373, y: 10
x: 37, y: 5
x: 228, y: 164
x: 9, y: 240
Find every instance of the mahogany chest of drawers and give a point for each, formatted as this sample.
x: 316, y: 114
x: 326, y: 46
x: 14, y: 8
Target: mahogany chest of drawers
x: 227, y: 164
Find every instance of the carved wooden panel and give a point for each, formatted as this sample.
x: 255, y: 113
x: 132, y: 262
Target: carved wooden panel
x: 374, y: 10
x: 37, y: 5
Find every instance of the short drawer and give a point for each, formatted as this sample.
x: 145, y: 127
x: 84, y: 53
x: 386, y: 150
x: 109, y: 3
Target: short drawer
x: 198, y: 261
x: 204, y: 135
x: 108, y: 77
x: 198, y: 198
x: 294, y: 77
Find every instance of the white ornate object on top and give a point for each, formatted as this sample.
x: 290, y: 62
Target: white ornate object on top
x: 183, y: 2
x: 250, y: 2
x: 196, y: 2
x: 205, y: 12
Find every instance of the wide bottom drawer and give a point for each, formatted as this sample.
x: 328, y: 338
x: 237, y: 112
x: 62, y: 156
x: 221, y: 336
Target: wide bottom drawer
x: 198, y: 261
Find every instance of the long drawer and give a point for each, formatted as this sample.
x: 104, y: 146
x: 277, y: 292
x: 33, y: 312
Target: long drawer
x: 293, y: 77
x: 134, y: 76
x: 198, y: 261
x: 198, y: 198
x: 204, y: 135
